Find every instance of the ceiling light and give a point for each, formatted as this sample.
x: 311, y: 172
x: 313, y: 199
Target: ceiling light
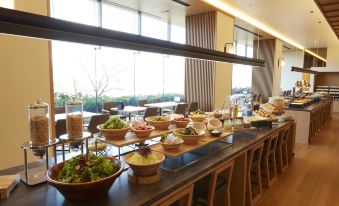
x: 237, y: 13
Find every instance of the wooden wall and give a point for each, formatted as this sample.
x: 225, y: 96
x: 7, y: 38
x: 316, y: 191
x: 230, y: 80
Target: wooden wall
x: 327, y: 79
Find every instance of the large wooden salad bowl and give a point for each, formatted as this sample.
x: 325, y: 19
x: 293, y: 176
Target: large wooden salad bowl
x: 113, y: 134
x: 159, y: 125
x: 189, y: 139
x: 83, y: 192
x: 145, y: 170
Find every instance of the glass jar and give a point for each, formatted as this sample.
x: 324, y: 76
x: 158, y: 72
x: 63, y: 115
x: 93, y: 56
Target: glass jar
x: 74, y: 118
x: 39, y: 122
x: 228, y: 125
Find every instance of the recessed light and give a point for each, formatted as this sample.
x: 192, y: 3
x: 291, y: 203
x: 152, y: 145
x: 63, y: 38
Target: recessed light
x: 319, y: 22
x: 311, y: 11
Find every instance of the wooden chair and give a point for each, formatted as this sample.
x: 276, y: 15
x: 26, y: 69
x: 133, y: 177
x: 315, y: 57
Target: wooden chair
x: 142, y: 102
x: 156, y: 100
x: 281, y: 151
x: 253, y: 175
x: 192, y: 107
x: 150, y: 111
x: 218, y: 180
x: 180, y: 109
x: 95, y: 121
x: 59, y: 110
x: 268, y: 163
x: 183, y: 197
x: 107, y: 106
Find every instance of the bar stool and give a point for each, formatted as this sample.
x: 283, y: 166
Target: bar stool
x: 219, y: 179
x: 253, y: 179
x: 268, y: 162
x: 281, y: 151
x: 312, y: 128
x: 181, y: 198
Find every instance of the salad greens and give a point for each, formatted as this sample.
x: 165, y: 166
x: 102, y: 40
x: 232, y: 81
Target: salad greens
x: 160, y: 118
x: 199, y: 112
x: 115, y: 123
x: 81, y: 169
x: 190, y: 131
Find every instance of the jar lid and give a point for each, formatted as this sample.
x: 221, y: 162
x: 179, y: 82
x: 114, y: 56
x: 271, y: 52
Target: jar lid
x: 73, y: 101
x: 38, y: 104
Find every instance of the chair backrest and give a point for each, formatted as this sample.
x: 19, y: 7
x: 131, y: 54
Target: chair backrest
x: 59, y: 110
x: 95, y: 121
x: 180, y: 109
x: 156, y: 101
x: 192, y: 107
x: 108, y: 105
x: 60, y: 127
x: 177, y: 99
x: 151, y: 111
x: 142, y: 102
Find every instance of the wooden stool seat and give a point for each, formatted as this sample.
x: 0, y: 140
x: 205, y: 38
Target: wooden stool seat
x: 183, y: 197
x: 268, y: 163
x: 281, y: 150
x: 253, y: 177
x: 219, y: 179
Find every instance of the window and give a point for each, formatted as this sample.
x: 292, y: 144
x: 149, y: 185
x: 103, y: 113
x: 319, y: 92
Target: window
x: 101, y: 74
x: 80, y: 11
x: 242, y: 74
x: 152, y: 27
x: 118, y: 19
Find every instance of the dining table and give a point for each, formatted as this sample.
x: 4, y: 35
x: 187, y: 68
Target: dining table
x: 163, y: 105
x: 129, y: 110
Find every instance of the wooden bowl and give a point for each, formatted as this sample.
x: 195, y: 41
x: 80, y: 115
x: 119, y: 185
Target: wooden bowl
x: 113, y: 134
x: 145, y: 170
x: 181, y: 124
x: 172, y: 147
x: 189, y: 139
x: 159, y: 125
x: 83, y: 192
x: 198, y: 118
x: 142, y: 133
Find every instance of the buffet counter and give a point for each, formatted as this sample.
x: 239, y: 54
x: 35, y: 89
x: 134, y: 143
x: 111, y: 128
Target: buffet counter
x: 125, y: 193
x: 310, y: 119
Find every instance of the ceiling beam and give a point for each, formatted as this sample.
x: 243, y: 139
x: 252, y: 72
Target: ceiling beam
x: 325, y: 15
x: 329, y: 4
x: 335, y: 16
x: 330, y: 10
x: 302, y: 70
x: 43, y: 27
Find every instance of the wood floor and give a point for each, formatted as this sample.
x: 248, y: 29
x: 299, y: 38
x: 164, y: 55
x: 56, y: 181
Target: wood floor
x: 313, y: 177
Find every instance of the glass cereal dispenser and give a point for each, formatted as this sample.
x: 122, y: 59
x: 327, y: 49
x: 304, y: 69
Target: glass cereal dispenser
x: 74, y: 118
x: 38, y: 113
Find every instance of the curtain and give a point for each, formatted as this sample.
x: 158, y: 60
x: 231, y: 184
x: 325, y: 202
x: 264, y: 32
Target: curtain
x: 200, y: 74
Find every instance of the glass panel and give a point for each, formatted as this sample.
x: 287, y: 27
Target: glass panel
x: 119, y: 19
x: 174, y: 73
x: 149, y: 74
x: 242, y: 75
x: 178, y: 34
x: 80, y: 11
x: 152, y: 27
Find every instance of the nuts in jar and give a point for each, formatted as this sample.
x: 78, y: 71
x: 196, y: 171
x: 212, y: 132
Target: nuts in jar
x: 74, y: 125
x: 39, y: 130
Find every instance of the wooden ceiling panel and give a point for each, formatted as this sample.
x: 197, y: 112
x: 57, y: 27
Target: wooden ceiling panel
x: 330, y: 10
